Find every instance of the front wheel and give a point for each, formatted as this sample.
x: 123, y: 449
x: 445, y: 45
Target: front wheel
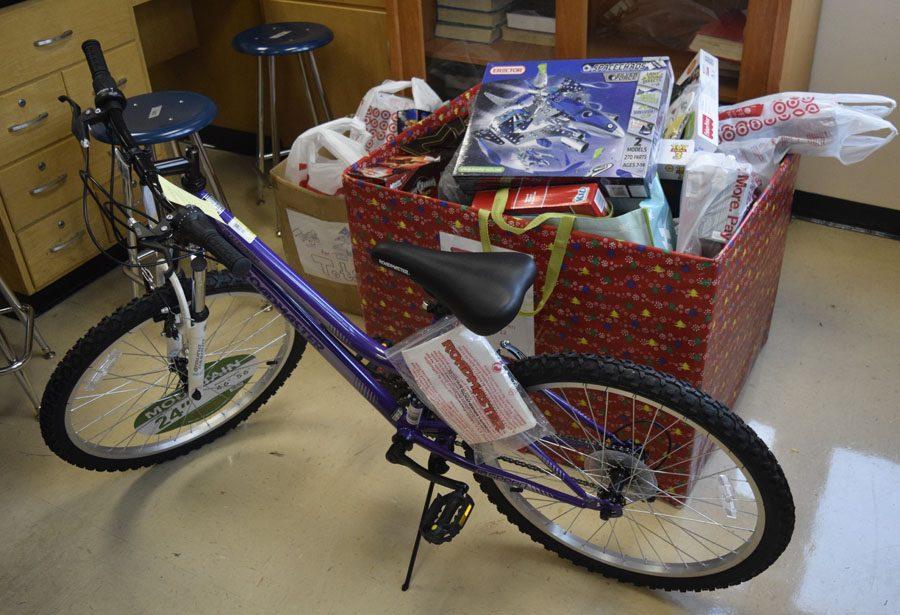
x: 118, y: 400
x: 705, y: 503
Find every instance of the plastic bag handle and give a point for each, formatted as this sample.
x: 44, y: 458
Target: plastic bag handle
x: 858, y: 145
x: 391, y: 87
x: 424, y: 97
x: 557, y: 250
x: 873, y: 104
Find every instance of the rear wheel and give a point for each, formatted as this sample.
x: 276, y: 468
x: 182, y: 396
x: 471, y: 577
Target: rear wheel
x: 706, y: 505
x: 117, y: 400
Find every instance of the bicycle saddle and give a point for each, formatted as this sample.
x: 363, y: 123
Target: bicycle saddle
x: 483, y: 290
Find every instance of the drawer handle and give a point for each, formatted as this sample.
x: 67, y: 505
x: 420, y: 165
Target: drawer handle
x: 25, y: 125
x: 68, y: 242
x: 48, y: 42
x: 50, y: 185
x: 121, y: 82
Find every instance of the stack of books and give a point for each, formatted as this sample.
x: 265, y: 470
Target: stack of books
x: 477, y: 21
x: 723, y: 38
x: 531, y: 21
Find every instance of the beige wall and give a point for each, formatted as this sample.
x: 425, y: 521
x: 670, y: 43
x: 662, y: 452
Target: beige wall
x: 858, y: 50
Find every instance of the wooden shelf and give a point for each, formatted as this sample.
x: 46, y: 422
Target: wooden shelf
x: 612, y: 48
x: 728, y: 91
x: 483, y: 53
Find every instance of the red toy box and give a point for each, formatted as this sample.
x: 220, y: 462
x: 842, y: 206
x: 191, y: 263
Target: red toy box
x: 700, y: 319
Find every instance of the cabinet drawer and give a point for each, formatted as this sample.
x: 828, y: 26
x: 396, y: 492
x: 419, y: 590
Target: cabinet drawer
x: 59, y: 243
x: 41, y: 36
x: 126, y: 67
x: 42, y: 183
x: 31, y: 117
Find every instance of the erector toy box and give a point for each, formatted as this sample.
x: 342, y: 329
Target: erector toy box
x: 563, y: 121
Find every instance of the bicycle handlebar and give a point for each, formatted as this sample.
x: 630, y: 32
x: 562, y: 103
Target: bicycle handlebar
x: 191, y: 224
x: 100, y: 76
x: 197, y: 228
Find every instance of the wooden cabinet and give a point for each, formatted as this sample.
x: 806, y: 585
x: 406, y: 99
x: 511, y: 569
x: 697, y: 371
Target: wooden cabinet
x: 779, y: 38
x: 42, y: 231
x: 40, y: 36
x: 356, y: 60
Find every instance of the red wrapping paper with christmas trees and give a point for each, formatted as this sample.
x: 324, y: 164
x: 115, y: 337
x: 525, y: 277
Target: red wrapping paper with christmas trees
x: 699, y: 319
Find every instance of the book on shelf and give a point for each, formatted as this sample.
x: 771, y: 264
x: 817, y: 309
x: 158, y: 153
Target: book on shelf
x: 485, y: 6
x: 482, y: 19
x: 723, y: 38
x: 535, y: 15
x: 531, y: 37
x: 460, y: 32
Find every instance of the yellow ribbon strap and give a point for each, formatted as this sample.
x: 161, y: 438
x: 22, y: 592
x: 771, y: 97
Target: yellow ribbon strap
x: 557, y: 250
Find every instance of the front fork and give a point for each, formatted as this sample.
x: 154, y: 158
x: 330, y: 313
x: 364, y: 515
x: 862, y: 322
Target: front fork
x: 191, y: 339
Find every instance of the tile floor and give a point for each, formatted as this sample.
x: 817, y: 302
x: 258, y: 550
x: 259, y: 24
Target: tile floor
x: 270, y: 520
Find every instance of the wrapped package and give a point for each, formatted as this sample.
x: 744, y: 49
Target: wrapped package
x: 717, y: 191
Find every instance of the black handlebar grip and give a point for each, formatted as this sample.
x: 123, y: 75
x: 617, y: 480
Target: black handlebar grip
x: 198, y: 229
x: 93, y: 53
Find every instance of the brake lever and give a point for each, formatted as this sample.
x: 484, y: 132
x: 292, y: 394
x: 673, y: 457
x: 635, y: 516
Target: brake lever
x: 79, y: 126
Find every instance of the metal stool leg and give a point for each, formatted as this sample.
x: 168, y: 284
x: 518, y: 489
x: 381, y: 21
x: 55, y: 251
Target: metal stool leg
x: 208, y: 171
x: 273, y: 118
x: 24, y: 382
x: 260, y: 132
x: 315, y: 71
x: 16, y: 364
x: 309, y: 96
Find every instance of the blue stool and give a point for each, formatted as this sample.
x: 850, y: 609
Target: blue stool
x: 166, y: 117
x: 280, y: 39
x: 153, y: 119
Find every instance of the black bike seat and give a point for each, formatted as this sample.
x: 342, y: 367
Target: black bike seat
x: 483, y: 290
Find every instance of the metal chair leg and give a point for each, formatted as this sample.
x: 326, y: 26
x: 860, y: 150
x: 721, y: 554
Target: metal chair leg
x: 24, y: 382
x: 16, y: 364
x: 273, y: 118
x: 315, y: 71
x: 309, y: 96
x: 260, y: 133
x: 208, y: 171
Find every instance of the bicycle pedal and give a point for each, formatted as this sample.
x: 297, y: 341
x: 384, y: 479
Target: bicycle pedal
x: 446, y: 516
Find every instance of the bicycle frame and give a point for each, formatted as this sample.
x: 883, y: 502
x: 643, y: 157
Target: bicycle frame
x: 344, y: 346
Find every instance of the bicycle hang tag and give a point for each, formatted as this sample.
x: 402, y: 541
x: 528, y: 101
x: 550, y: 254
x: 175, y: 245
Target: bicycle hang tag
x: 467, y: 384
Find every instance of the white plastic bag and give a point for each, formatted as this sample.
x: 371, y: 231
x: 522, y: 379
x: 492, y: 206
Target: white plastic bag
x: 848, y: 127
x: 379, y: 107
x: 715, y: 195
x: 320, y: 155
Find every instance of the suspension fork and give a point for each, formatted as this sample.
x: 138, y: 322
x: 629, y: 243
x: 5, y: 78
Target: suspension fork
x: 191, y: 326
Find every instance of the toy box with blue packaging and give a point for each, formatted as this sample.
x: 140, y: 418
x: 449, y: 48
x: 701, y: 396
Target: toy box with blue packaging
x: 565, y: 121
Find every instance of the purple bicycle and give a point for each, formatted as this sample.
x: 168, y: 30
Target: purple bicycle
x: 643, y: 478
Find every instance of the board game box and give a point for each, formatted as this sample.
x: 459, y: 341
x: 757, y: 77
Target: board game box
x: 567, y: 121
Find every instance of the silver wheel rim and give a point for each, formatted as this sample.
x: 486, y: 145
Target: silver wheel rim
x: 654, y: 538
x: 103, y: 413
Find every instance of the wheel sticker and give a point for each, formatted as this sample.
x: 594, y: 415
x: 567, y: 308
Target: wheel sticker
x: 222, y: 378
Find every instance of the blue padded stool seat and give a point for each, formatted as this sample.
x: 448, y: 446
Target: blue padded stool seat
x: 160, y: 117
x: 281, y: 39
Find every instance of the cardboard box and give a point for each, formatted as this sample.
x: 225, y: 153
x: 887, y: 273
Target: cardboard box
x: 316, y: 240
x: 694, y: 114
x: 582, y: 199
x: 673, y: 155
x: 567, y: 121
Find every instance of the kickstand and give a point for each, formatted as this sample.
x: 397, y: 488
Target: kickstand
x: 415, y: 549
